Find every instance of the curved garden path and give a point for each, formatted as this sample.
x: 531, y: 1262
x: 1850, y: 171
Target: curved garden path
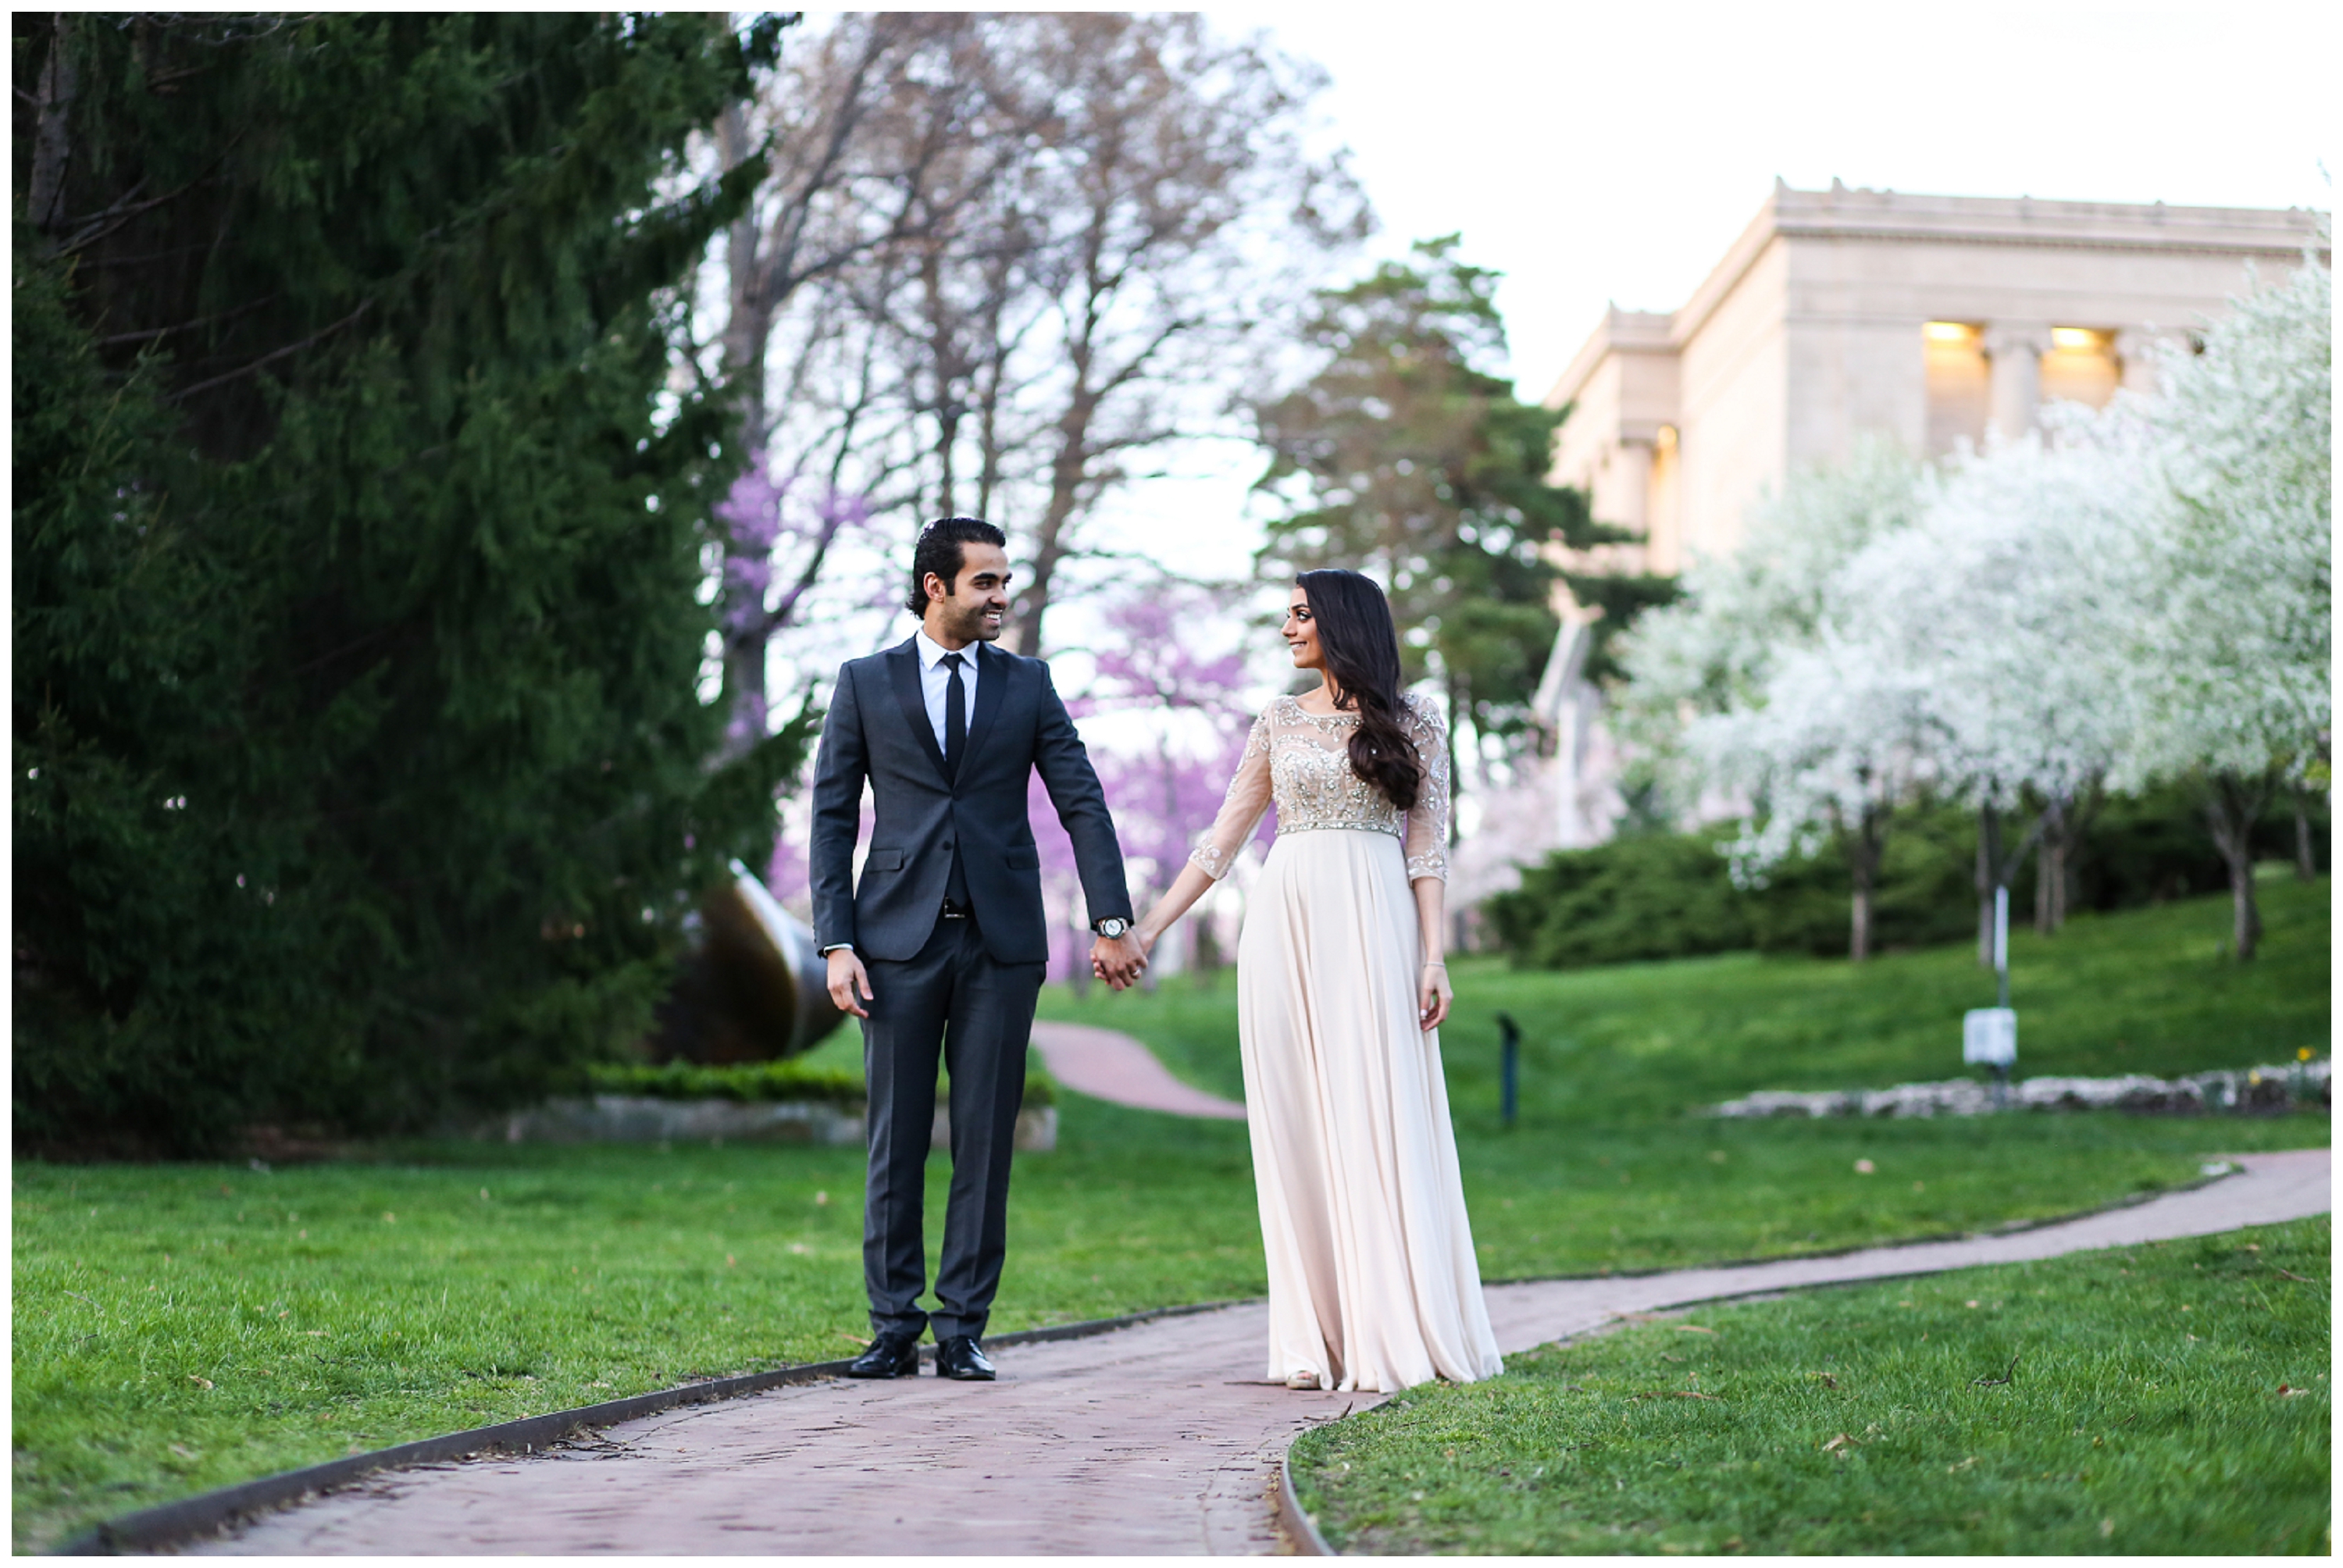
x: 1106, y: 1065
x: 1154, y: 1438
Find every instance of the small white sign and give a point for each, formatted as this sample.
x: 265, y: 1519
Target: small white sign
x: 1989, y: 1036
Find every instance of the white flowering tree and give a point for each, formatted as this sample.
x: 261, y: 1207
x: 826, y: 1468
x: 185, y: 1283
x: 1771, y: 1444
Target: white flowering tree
x: 2227, y: 659
x: 2126, y: 597
x: 1992, y: 606
x: 1741, y: 613
x: 1827, y: 749
x: 1747, y: 690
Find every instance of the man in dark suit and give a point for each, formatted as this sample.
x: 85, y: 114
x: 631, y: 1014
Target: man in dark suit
x: 943, y: 944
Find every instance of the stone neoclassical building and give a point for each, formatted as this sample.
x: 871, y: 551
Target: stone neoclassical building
x: 1929, y: 318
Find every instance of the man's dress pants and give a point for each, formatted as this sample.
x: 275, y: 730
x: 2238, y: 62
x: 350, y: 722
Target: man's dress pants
x: 954, y: 999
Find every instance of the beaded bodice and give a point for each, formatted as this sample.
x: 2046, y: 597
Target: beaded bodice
x: 1300, y: 761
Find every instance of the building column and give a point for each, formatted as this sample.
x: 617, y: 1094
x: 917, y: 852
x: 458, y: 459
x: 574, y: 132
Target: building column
x: 1628, y: 486
x: 2015, y: 350
x: 2134, y: 351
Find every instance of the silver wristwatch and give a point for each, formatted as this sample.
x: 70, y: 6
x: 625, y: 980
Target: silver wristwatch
x: 1111, y: 927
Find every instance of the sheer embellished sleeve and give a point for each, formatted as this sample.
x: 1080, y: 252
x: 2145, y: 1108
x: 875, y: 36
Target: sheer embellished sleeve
x: 1247, y: 799
x: 1426, y: 832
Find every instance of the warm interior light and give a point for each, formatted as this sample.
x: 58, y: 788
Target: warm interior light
x: 1666, y: 438
x: 1948, y: 332
x: 2074, y: 337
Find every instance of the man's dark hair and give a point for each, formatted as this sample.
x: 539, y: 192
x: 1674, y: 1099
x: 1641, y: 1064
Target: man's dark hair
x: 941, y: 550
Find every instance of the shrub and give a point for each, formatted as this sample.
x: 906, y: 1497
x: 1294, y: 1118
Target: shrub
x: 1656, y: 895
x: 760, y: 1081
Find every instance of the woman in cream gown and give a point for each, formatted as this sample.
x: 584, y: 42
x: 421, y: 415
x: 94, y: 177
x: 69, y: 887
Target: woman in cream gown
x: 1341, y: 988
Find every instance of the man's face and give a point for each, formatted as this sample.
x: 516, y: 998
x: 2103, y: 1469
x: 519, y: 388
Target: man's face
x: 974, y: 610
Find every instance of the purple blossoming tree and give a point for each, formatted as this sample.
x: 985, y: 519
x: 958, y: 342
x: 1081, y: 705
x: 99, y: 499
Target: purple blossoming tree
x: 1165, y: 790
x: 764, y: 519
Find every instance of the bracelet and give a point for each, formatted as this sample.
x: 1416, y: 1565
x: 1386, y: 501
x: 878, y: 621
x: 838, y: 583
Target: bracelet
x: 1434, y: 964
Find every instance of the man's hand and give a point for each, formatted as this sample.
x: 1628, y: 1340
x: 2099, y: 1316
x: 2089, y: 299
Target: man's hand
x: 847, y: 976
x: 1118, y: 960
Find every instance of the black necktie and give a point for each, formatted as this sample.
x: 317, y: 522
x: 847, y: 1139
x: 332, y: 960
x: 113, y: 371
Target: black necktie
x: 955, y: 719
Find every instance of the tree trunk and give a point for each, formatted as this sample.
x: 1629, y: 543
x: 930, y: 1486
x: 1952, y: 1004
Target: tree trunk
x: 52, y: 135
x: 1988, y: 867
x: 2306, y: 856
x: 2053, y: 871
x: 1066, y: 474
x: 2050, y: 867
x: 1864, y: 849
x: 2231, y: 805
x: 748, y: 321
x: 747, y: 328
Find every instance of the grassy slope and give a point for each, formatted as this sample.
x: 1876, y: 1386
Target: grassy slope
x: 1606, y: 1169
x: 2146, y: 991
x: 2158, y: 1427
x: 591, y: 1273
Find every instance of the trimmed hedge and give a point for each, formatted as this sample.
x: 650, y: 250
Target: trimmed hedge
x: 757, y: 1081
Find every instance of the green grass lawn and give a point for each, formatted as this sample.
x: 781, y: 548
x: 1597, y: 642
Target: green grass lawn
x: 179, y: 1327
x: 2167, y: 1399
x: 2145, y: 990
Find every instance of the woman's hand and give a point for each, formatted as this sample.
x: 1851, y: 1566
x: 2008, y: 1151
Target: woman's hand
x: 1117, y: 960
x: 1432, y: 997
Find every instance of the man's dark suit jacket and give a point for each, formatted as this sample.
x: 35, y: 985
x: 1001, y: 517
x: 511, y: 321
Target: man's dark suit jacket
x: 878, y: 729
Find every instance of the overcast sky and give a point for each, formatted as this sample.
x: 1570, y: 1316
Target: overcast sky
x: 1600, y: 152
x: 1612, y: 153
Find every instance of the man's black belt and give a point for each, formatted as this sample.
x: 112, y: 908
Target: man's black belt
x: 955, y: 910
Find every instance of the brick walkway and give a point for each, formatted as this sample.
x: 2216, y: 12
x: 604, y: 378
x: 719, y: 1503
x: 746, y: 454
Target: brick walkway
x: 1149, y: 1440
x: 1108, y: 1065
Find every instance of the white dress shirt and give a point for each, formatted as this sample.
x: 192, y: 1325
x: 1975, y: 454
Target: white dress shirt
x: 935, y: 681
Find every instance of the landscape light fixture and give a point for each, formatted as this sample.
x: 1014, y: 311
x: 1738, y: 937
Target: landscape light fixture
x: 1989, y: 1034
x: 1509, y: 1067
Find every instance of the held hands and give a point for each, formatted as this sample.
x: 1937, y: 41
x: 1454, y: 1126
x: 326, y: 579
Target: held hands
x: 1432, y: 997
x: 1119, y: 961
x: 847, y: 976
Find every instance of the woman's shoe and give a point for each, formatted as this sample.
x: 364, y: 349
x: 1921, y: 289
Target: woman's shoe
x: 1303, y: 1381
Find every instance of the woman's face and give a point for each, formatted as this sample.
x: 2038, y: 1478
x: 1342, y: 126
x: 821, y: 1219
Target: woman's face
x: 1300, y: 633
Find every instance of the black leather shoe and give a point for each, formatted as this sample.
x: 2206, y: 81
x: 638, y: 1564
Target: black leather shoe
x: 960, y: 1357
x: 890, y: 1355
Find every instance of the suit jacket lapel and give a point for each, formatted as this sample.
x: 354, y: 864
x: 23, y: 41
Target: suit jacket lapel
x: 903, y: 670
x: 991, y: 685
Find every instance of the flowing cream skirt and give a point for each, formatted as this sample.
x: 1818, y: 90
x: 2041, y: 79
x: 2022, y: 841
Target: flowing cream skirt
x: 1372, y: 1283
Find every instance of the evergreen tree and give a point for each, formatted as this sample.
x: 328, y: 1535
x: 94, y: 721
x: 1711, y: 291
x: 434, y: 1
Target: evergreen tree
x: 359, y: 541
x: 1402, y: 457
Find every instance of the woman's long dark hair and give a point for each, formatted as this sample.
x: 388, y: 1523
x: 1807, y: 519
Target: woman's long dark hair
x: 1361, y: 648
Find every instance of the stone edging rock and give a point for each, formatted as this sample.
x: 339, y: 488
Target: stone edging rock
x: 2259, y: 1088
x: 1296, y: 1521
